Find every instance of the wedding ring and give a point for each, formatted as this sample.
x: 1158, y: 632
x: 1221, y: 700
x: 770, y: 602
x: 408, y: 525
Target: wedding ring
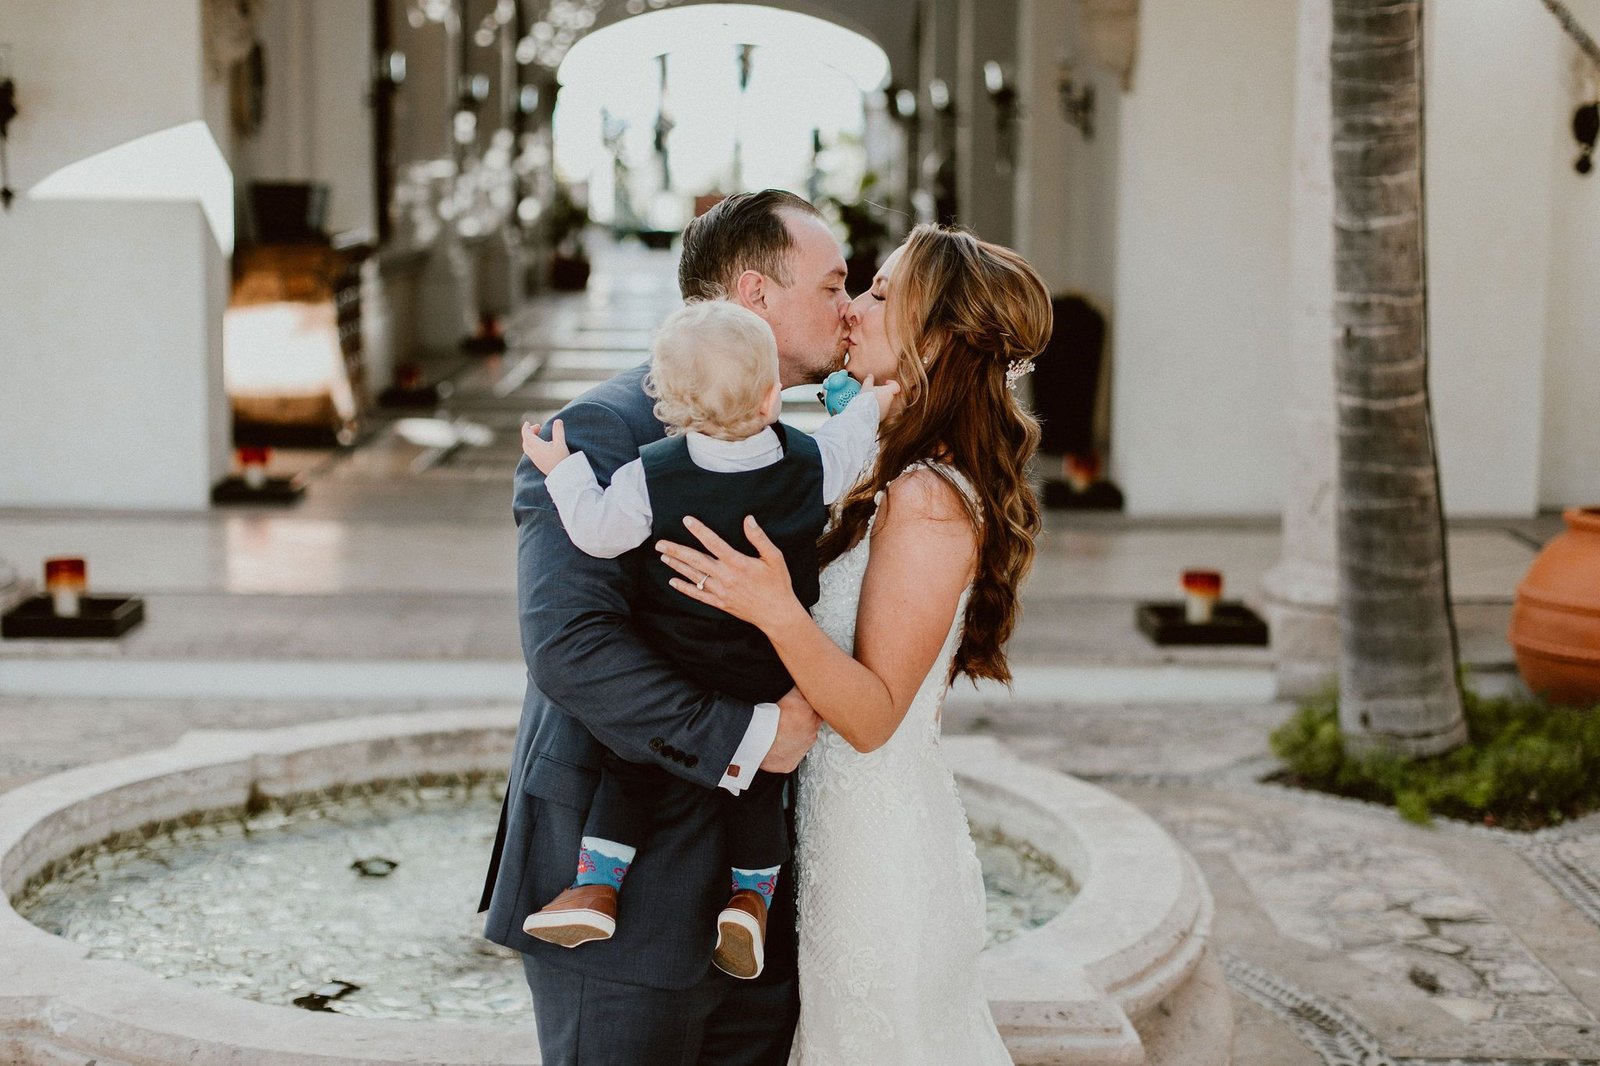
x: 701, y: 584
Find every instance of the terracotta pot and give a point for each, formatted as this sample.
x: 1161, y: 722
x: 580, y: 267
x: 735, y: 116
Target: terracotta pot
x: 1555, y: 625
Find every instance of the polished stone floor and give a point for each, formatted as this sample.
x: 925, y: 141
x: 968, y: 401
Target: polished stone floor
x: 1348, y: 936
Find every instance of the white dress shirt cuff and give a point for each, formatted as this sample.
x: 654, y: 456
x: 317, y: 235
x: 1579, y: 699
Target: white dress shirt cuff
x: 571, y: 477
x: 753, y: 749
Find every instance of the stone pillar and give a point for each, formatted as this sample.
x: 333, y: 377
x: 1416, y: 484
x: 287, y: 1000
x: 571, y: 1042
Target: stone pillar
x: 985, y: 182
x: 936, y: 129
x: 1301, y: 592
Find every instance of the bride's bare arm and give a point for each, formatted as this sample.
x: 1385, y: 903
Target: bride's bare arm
x: 923, y: 553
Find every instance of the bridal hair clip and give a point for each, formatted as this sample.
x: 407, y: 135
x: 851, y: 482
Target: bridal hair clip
x: 1015, y: 369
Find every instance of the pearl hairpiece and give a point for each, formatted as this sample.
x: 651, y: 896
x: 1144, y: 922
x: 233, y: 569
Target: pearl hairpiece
x: 1015, y: 369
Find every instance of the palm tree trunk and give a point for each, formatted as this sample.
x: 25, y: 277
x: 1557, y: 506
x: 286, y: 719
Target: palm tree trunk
x: 1397, y: 674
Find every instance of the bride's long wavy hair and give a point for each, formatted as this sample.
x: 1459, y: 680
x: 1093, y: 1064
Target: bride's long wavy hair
x: 961, y: 311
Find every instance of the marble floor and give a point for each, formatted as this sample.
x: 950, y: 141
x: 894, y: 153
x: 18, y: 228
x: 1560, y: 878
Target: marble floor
x: 391, y: 587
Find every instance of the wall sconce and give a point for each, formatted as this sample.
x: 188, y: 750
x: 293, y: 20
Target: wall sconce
x: 8, y: 111
x: 389, y: 69
x: 1002, y: 90
x: 1077, y: 101
x: 1585, y: 127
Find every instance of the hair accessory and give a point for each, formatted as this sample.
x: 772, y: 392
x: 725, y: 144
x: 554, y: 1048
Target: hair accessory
x: 1015, y: 369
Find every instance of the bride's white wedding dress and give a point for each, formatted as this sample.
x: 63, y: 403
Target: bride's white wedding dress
x: 891, y: 900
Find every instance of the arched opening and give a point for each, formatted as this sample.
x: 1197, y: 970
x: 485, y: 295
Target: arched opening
x: 660, y: 109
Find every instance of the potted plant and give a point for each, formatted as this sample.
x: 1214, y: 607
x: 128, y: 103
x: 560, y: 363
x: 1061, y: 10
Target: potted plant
x: 564, y: 222
x: 1555, y: 623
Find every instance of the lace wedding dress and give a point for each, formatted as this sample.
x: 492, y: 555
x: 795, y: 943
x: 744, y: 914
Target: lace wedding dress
x: 891, y: 900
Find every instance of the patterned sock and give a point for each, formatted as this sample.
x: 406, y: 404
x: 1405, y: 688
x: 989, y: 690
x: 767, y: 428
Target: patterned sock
x: 763, y: 881
x: 603, y: 862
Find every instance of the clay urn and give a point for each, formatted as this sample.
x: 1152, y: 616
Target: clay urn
x: 1555, y: 623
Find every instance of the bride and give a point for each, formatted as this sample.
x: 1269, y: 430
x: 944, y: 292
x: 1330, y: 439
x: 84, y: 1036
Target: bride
x: 922, y: 567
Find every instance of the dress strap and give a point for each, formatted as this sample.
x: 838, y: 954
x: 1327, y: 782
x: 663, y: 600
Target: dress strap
x: 955, y: 476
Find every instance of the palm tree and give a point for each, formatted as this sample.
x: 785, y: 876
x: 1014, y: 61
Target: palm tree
x: 1398, y: 665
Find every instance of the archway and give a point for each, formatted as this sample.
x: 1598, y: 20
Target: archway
x: 660, y: 108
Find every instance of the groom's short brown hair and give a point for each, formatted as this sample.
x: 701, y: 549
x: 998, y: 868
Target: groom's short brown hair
x: 745, y: 231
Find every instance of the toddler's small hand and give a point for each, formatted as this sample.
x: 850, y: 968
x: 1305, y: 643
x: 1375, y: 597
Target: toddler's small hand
x: 546, y: 454
x: 886, y: 392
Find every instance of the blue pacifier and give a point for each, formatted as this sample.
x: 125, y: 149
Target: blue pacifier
x: 838, y: 389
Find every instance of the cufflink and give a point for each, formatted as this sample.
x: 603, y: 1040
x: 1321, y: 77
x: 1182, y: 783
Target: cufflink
x: 733, y: 770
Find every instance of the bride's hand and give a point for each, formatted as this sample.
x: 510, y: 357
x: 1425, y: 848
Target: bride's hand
x: 754, y: 589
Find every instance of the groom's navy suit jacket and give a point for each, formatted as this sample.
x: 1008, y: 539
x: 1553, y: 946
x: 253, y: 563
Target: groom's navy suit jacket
x: 592, y: 680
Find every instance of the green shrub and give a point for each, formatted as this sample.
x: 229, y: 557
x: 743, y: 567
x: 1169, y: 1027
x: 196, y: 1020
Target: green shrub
x: 1526, y: 763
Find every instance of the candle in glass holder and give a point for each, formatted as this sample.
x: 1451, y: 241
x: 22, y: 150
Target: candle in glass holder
x: 65, y: 580
x: 1082, y: 470
x: 253, y: 460
x: 1201, y: 591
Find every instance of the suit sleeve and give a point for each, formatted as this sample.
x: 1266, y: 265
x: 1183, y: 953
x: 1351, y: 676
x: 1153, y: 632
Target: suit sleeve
x: 580, y: 648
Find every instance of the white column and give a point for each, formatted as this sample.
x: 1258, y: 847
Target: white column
x: 1302, y: 590
x: 987, y: 31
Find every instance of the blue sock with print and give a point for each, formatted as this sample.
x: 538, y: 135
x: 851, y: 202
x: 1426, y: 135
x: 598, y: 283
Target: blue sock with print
x: 603, y: 862
x: 764, y: 882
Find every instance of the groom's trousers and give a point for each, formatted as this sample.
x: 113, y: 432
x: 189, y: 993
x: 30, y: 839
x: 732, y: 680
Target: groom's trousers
x: 721, y: 1021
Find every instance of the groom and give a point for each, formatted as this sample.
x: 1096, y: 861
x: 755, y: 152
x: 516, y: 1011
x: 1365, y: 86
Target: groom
x: 650, y: 994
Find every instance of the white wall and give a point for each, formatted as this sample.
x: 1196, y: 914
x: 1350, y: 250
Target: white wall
x: 110, y: 312
x: 1066, y: 184
x: 92, y: 74
x: 1493, y: 117
x: 1201, y: 306
x: 1200, y: 324
x: 1569, y: 465
x: 316, y: 124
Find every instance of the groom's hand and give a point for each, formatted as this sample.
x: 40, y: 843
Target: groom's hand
x: 797, y: 731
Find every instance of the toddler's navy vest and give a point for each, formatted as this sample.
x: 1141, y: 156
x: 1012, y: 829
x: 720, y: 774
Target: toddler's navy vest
x: 711, y: 646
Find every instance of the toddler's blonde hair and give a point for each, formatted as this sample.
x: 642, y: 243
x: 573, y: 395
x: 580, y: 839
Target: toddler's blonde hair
x: 712, y: 365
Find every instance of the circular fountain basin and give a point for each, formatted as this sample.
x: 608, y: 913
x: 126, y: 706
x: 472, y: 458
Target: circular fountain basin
x: 361, y: 904
x: 1082, y: 987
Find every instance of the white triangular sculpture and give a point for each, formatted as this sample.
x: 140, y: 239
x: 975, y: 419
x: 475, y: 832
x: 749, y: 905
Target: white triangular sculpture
x: 178, y: 163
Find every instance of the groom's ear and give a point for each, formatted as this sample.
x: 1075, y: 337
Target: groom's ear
x: 751, y: 290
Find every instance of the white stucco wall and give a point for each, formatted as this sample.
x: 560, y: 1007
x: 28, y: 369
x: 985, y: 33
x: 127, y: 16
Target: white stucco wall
x: 1492, y: 120
x: 316, y: 125
x: 1569, y: 464
x: 1066, y: 184
x: 1201, y: 308
x: 1200, y: 325
x: 110, y: 312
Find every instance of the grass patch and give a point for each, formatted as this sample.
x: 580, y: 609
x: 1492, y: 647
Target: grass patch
x: 1526, y: 764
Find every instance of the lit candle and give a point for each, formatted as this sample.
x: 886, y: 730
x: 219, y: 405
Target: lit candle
x: 1083, y: 470
x: 1201, y: 589
x: 254, y: 462
x: 65, y: 580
